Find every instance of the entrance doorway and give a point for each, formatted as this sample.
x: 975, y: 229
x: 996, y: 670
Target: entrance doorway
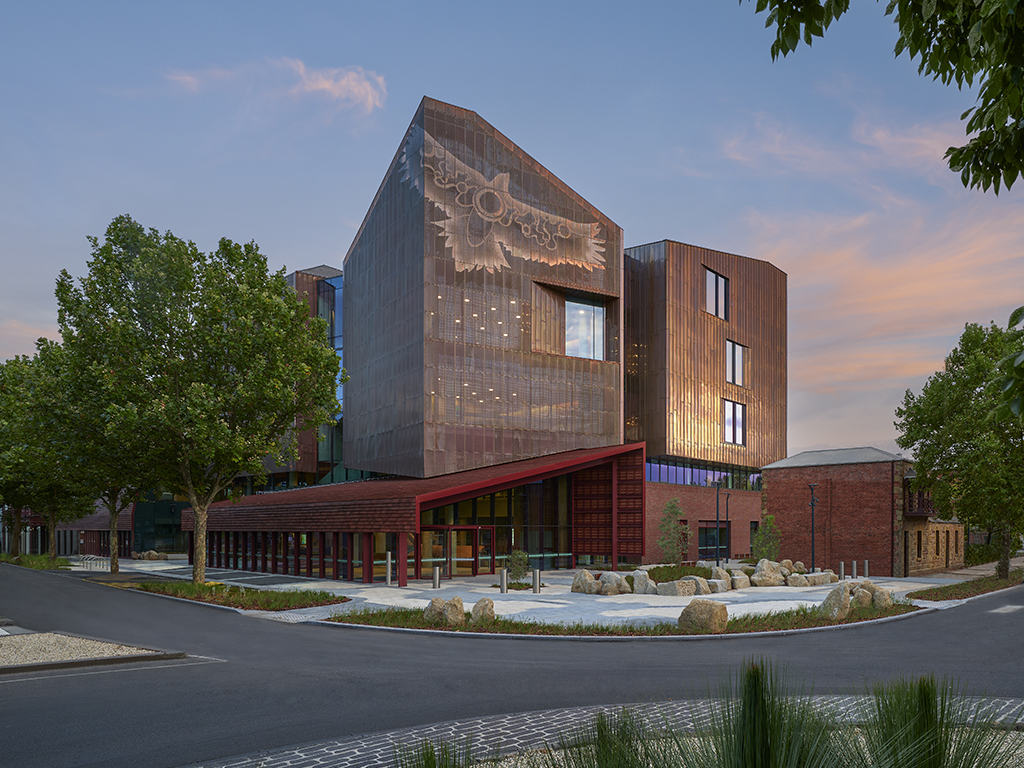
x: 456, y: 550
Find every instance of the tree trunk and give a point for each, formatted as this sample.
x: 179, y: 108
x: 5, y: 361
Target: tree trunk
x: 1003, y: 568
x: 51, y: 519
x: 199, y: 549
x: 15, y: 532
x: 115, y: 564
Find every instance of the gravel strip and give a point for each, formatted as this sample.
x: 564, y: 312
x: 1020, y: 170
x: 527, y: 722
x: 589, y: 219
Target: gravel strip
x: 50, y: 647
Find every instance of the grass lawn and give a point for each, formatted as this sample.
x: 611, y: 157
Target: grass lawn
x: 246, y: 599
x: 37, y: 562
x: 798, y: 618
x: 969, y: 588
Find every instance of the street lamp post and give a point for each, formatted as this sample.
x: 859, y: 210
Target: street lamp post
x: 728, y: 533
x: 718, y: 529
x: 814, y: 501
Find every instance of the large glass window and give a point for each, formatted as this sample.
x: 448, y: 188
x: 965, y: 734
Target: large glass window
x: 717, y: 298
x: 584, y: 330
x: 734, y: 358
x: 735, y: 418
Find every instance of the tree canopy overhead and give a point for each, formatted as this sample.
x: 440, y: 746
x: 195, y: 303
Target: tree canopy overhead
x: 214, y: 360
x: 954, y: 41
x: 968, y: 460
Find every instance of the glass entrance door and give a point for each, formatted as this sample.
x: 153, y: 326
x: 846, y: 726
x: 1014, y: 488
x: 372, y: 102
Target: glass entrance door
x: 464, y: 549
x: 434, y: 552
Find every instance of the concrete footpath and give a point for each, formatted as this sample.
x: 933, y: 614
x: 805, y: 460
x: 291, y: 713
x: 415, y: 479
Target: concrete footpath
x: 555, y: 603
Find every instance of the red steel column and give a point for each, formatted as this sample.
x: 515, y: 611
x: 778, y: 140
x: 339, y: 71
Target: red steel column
x: 615, y: 513
x: 403, y: 558
x: 320, y: 546
x: 335, y: 541
x: 367, y: 558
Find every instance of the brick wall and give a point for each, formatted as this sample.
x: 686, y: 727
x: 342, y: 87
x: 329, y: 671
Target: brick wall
x: 698, y: 504
x: 858, y: 516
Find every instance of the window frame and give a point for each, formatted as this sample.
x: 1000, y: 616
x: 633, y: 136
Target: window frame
x: 716, y: 294
x: 731, y: 367
x: 733, y: 428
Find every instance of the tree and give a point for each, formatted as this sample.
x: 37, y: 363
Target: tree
x: 674, y: 534
x: 968, y: 459
x: 954, y: 41
x: 766, y: 543
x: 213, y: 359
x: 1010, y: 379
x: 40, y: 471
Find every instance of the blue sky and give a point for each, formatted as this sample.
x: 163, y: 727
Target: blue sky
x: 275, y: 122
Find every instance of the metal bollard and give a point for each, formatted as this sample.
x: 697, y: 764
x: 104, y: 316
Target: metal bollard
x: 854, y: 564
x: 536, y: 581
x: 842, y: 570
x: 387, y: 566
x: 866, y: 569
x: 437, y: 577
x: 503, y: 580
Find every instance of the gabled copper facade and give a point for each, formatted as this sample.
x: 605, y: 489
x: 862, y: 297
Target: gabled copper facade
x: 676, y: 367
x: 454, y: 308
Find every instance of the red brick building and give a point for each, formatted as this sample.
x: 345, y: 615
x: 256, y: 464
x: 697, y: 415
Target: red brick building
x: 738, y: 515
x: 864, y: 511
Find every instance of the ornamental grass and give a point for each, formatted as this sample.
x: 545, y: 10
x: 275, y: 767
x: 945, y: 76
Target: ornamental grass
x: 971, y: 588
x: 239, y: 597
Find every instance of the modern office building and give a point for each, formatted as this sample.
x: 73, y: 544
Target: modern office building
x: 518, y: 380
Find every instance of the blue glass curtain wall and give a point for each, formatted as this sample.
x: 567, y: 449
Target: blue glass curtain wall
x: 683, y: 472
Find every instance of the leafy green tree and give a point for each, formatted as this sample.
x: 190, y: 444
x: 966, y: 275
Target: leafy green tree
x: 41, y: 472
x: 214, y: 360
x: 969, y: 460
x: 766, y: 543
x: 673, y: 533
x: 953, y: 41
x: 13, y: 401
x: 1010, y: 378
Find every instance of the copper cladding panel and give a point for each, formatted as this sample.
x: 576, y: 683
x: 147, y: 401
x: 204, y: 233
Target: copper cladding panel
x: 675, y: 354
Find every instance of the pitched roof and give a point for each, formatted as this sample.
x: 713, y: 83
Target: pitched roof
x: 863, y: 455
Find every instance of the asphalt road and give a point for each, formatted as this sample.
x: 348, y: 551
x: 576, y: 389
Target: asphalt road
x: 263, y: 684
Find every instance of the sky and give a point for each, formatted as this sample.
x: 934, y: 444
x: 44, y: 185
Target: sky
x: 275, y: 122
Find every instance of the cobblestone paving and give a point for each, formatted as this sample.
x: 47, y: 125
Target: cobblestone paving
x: 501, y: 735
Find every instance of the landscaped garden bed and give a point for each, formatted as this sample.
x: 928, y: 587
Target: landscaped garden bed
x: 238, y: 597
x: 796, y: 618
x: 967, y: 589
x: 37, y: 562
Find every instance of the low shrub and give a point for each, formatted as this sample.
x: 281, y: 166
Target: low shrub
x: 37, y: 562
x: 246, y: 599
x: 979, y: 554
x: 675, y: 572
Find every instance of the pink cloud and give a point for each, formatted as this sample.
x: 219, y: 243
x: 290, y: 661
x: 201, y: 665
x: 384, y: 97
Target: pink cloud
x: 18, y: 338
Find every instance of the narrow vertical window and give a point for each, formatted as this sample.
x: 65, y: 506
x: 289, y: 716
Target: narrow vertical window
x: 734, y: 362
x: 734, y: 418
x: 717, y: 294
x: 918, y: 545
